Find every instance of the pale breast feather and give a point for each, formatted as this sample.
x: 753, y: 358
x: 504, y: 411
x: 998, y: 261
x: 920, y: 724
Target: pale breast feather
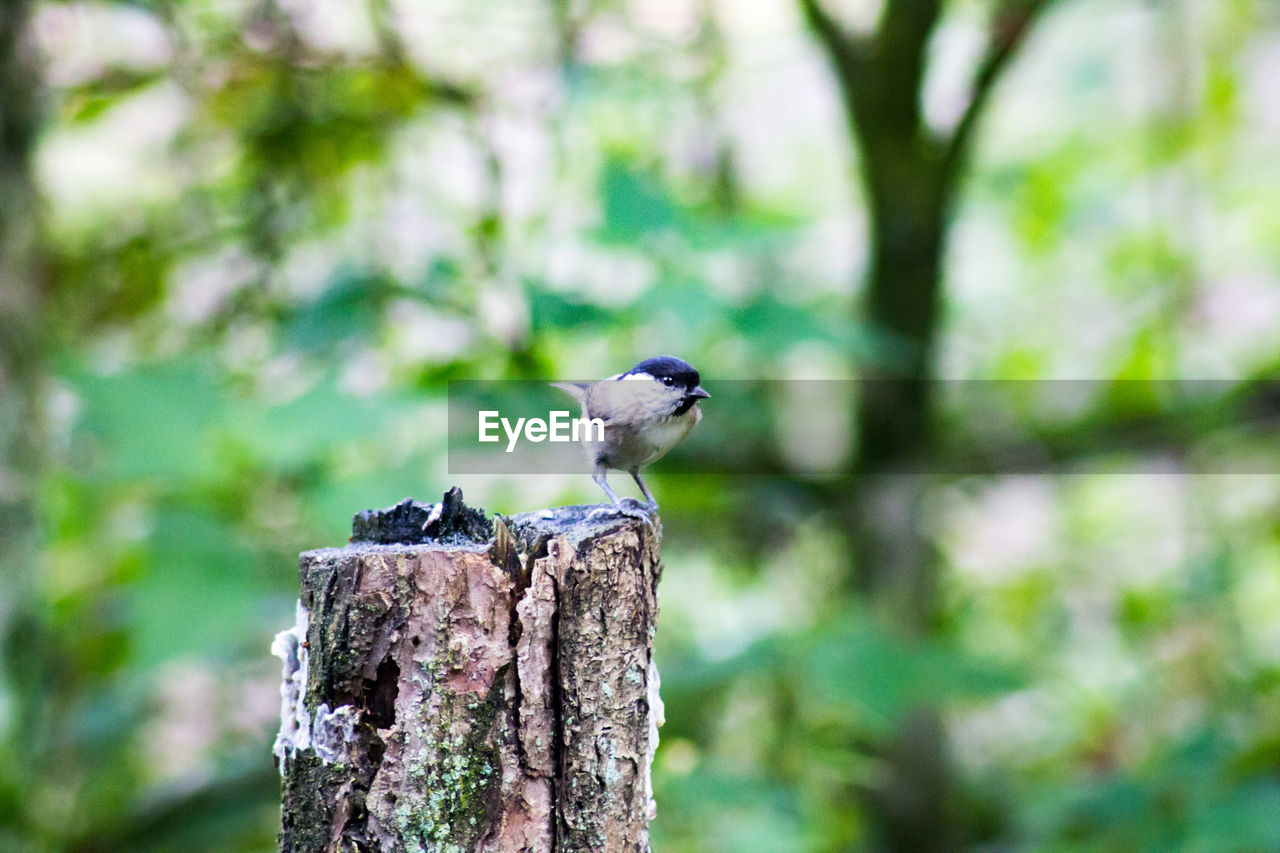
x: 666, y: 435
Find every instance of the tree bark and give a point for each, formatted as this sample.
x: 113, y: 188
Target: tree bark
x: 489, y: 689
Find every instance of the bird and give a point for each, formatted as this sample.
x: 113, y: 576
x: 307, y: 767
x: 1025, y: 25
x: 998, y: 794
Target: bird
x: 646, y: 411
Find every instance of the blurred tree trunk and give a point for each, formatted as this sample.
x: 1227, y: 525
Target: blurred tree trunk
x: 473, y: 693
x: 20, y: 339
x: 21, y: 363
x: 911, y: 174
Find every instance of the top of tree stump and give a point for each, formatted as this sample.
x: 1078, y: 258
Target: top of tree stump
x: 452, y: 523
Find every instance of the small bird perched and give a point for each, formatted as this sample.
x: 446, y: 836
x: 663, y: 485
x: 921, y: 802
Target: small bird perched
x: 646, y: 412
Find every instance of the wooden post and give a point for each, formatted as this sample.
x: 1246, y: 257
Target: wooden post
x: 489, y: 688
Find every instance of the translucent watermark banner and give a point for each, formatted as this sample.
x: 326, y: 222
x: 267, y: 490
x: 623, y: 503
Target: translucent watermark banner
x: 818, y: 427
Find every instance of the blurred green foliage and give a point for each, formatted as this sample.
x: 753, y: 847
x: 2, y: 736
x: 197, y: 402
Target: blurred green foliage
x: 272, y: 233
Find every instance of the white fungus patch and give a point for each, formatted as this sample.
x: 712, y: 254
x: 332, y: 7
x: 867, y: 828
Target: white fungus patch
x: 657, y: 716
x: 329, y: 730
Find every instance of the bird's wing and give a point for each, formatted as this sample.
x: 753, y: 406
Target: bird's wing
x: 634, y: 403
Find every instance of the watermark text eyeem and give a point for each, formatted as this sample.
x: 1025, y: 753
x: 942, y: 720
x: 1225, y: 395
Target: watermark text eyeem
x: 560, y: 427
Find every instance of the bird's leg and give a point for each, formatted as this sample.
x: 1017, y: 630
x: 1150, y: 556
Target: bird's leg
x: 620, y: 506
x: 648, y: 495
x: 601, y: 478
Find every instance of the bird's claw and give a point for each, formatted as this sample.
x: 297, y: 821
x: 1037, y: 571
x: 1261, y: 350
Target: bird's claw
x: 629, y: 508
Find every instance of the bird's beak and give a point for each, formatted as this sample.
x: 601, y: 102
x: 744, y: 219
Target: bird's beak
x: 698, y: 392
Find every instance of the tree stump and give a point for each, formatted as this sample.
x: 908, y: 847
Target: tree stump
x: 485, y: 685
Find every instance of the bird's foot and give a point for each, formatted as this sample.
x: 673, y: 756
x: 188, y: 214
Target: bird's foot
x: 629, y: 508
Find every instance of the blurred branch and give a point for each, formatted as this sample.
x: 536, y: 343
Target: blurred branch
x: 567, y: 29
x: 392, y: 49
x: 840, y: 44
x: 879, y: 74
x: 1010, y: 24
x: 909, y: 21
x: 389, y: 41
x: 902, y: 40
x: 720, y: 153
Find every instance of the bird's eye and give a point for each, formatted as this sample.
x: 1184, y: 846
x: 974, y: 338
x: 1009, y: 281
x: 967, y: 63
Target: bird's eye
x: 668, y: 381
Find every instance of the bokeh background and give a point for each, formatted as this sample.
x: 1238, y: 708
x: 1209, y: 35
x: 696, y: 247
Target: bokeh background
x: 244, y: 244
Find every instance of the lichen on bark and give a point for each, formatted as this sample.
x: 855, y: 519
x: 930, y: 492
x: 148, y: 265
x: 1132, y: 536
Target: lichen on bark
x: 490, y: 688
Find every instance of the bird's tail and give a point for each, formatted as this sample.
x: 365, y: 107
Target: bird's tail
x: 577, y: 391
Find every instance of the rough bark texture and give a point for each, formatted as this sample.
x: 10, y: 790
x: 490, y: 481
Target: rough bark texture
x: 489, y: 689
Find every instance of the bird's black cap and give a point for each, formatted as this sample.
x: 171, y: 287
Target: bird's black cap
x: 665, y: 365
